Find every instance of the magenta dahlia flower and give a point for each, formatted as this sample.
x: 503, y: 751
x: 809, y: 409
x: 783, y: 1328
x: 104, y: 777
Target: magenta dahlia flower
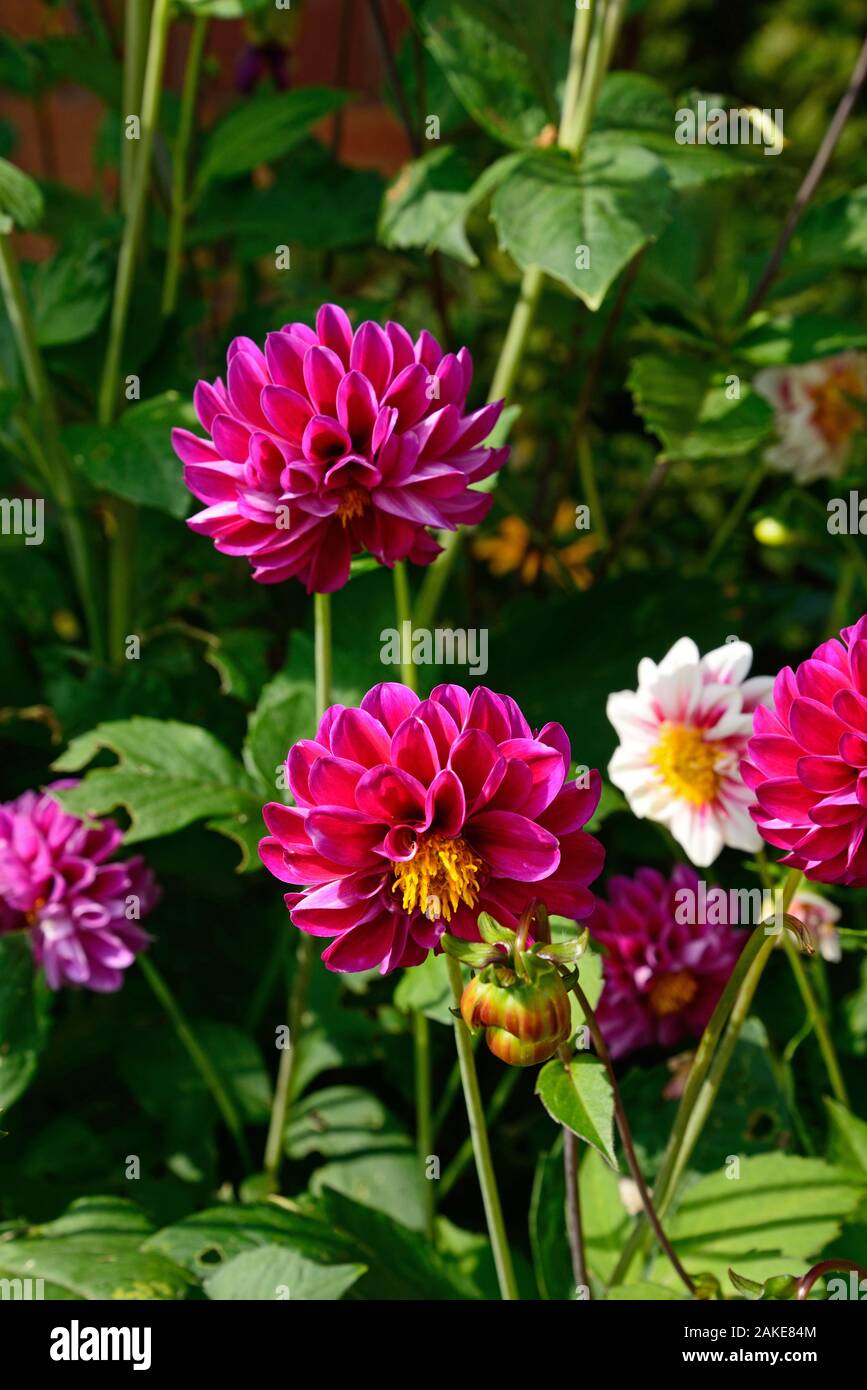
x: 807, y: 762
x: 56, y: 882
x: 663, y: 969
x: 413, y: 816
x: 333, y: 442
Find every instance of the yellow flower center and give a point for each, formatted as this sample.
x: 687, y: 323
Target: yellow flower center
x: 442, y: 874
x: 834, y: 413
x: 352, y: 504
x: 671, y: 993
x: 687, y: 764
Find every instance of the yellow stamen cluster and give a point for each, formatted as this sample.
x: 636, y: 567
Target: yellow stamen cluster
x: 442, y: 874
x: 352, y: 503
x: 687, y: 763
x: 671, y: 993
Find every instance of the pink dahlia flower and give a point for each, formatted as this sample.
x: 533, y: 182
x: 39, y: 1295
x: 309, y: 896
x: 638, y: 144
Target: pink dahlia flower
x: 413, y: 816
x: 663, y: 973
x: 682, y: 734
x: 56, y: 882
x: 807, y: 762
x: 332, y: 442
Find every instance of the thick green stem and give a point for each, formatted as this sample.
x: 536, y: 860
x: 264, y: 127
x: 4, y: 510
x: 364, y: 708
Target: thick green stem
x: 403, y: 611
x: 198, y: 1056
x: 45, y: 446
x: 420, y: 1023
x: 135, y: 32
x: 297, y: 1000
x: 706, y: 1073
x: 818, y: 1021
x: 481, y: 1145
x: 122, y: 525
x: 177, y: 218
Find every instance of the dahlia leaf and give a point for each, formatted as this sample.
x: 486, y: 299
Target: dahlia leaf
x: 286, y: 712
x: 264, y: 129
x: 20, y: 199
x: 581, y: 1099
x: 427, y: 205
x: 23, y: 1018
x: 426, y: 989
x: 690, y: 406
x: 133, y: 458
x: 94, y: 1251
x: 776, y: 1210
x: 582, y: 223
x: 274, y: 1271
x: 205, y: 1239
x: 501, y: 63
x: 168, y: 776
x: 848, y: 1137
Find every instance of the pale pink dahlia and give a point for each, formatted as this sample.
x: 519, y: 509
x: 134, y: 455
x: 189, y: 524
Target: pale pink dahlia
x: 56, y: 882
x: 819, y: 407
x: 333, y: 442
x: 663, y: 974
x: 413, y: 816
x: 682, y: 734
x: 807, y: 762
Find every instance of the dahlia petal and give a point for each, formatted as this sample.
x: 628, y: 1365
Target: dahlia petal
x: 512, y: 845
x: 824, y: 775
x: 445, y: 804
x: 814, y: 726
x: 413, y: 749
x: 288, y: 411
x: 372, y: 355
x: 390, y: 703
x: 335, y: 331
x: 344, y: 836
x: 391, y: 796
x: 246, y: 379
x: 358, y: 737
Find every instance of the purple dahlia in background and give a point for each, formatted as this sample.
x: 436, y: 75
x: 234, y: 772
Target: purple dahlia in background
x: 332, y: 442
x: 662, y: 974
x: 58, y: 881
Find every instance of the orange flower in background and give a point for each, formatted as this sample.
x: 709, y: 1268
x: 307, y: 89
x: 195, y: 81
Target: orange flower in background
x: 516, y: 548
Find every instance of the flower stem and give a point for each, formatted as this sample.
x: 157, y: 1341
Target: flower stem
x: 587, y: 474
x: 626, y: 1138
x: 198, y: 1056
x: 504, y: 1088
x: 297, y: 998
x: 403, y: 609
x: 420, y: 1022
x: 136, y: 14
x: 707, y: 1071
x: 733, y: 518
x: 481, y: 1146
x: 573, y: 1210
x: 45, y: 445
x: 123, y: 516
x: 177, y: 218
x: 817, y: 1019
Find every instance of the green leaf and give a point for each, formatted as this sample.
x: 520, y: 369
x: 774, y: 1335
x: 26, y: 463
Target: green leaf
x: 263, y: 129
x: 70, y: 293
x: 684, y: 402
x: 286, y: 712
x: 164, y: 1079
x: 606, y: 1221
x: 168, y: 775
x: 778, y: 1211
x: 799, y: 338
x: 239, y: 656
x: 833, y: 234
x: 23, y: 1017
x: 582, y: 1100
x: 426, y: 988
x: 95, y: 1251
x: 206, y: 1239
x: 501, y: 62
x: 339, y: 1121
x: 427, y: 204
x: 551, y: 1261
x: 134, y: 457
x: 644, y: 1292
x: 402, y: 1264
x: 20, y: 199
x: 275, y: 1272
x: 848, y: 1137
x: 388, y: 1181
x: 548, y: 209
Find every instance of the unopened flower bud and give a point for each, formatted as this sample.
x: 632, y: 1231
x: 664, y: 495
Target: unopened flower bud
x: 525, y: 1019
